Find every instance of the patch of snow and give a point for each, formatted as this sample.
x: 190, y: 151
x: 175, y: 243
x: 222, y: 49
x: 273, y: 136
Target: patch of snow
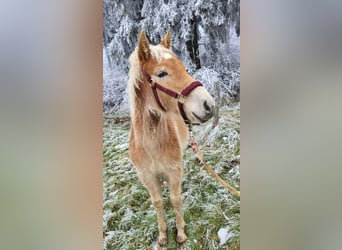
x: 109, y: 235
x: 224, y: 235
x: 122, y: 147
x: 155, y: 245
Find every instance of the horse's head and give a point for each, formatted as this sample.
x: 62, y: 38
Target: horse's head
x: 169, y: 80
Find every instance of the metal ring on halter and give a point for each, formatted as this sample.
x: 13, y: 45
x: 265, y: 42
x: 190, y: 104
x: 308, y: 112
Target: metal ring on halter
x: 151, y: 83
x: 181, y: 98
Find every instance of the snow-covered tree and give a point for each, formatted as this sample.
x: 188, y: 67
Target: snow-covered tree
x: 201, y: 32
x: 193, y: 23
x: 121, y: 26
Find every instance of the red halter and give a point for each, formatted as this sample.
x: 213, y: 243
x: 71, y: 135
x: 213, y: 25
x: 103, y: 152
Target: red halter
x: 180, y: 97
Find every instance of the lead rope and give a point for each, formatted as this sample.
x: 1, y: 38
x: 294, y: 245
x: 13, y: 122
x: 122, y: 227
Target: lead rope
x: 193, y: 145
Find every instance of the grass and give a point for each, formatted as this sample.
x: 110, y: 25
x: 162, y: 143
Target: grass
x: 129, y: 219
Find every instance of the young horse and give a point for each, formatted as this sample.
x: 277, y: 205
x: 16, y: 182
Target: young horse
x: 163, y: 98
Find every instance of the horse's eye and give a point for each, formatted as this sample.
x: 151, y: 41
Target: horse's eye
x: 162, y: 74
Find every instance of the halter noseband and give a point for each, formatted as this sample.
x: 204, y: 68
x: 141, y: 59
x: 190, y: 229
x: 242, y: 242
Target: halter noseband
x: 179, y: 97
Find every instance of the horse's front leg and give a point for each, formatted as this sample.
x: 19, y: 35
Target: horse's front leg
x: 175, y: 187
x: 152, y: 184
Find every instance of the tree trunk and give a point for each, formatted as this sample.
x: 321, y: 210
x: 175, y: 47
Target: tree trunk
x: 197, y: 60
x: 192, y: 42
x: 189, y: 47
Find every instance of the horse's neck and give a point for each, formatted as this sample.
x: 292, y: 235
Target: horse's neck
x: 154, y: 130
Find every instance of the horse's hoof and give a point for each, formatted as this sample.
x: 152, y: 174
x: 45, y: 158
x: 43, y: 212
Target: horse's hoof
x: 162, y: 241
x: 181, y: 238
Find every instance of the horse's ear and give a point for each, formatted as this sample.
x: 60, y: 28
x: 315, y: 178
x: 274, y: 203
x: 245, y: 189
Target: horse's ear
x: 166, y: 41
x: 143, y: 47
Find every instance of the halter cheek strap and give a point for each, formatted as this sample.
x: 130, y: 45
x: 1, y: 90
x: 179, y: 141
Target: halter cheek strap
x: 179, y: 97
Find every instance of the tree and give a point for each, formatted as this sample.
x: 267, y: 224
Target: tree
x: 121, y: 25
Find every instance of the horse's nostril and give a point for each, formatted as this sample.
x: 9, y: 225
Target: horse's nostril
x: 207, y: 107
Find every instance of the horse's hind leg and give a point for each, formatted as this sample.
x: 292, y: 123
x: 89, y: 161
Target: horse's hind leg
x: 153, y: 186
x: 175, y: 187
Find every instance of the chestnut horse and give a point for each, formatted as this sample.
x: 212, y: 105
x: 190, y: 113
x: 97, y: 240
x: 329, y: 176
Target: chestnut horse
x: 163, y: 98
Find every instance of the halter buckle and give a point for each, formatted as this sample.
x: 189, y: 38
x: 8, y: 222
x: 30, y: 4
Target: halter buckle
x: 151, y: 83
x: 181, y: 98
